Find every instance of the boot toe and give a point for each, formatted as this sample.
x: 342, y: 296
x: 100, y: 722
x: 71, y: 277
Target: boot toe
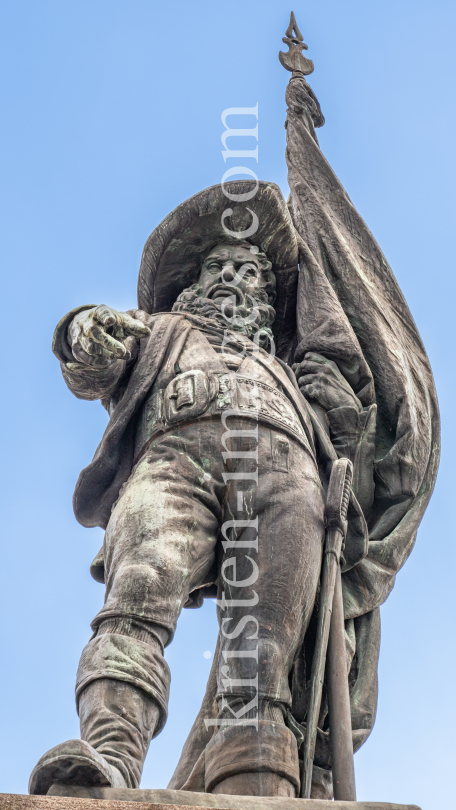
x: 74, y: 763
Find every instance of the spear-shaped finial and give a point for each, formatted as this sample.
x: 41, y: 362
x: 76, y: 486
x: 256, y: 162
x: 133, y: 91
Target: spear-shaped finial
x: 294, y: 60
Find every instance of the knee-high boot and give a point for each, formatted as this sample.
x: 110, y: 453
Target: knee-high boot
x: 122, y: 694
x: 118, y: 721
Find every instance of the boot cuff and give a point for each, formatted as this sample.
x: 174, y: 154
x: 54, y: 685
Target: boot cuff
x: 241, y: 749
x: 126, y: 659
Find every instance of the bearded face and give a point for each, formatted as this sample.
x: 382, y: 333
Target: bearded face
x: 236, y: 288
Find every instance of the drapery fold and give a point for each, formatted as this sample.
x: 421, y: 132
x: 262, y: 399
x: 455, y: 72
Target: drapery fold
x: 350, y: 308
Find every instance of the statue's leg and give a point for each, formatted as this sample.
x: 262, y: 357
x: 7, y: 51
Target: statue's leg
x: 159, y: 546
x: 262, y: 759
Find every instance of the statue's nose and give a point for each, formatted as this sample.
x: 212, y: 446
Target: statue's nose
x: 228, y: 272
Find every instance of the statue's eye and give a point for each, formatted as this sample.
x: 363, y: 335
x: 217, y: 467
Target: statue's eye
x: 250, y: 270
x: 213, y: 266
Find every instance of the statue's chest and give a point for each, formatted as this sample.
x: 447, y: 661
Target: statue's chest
x: 199, y: 354
x: 198, y: 380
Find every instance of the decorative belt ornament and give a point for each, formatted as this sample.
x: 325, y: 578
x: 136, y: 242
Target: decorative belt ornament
x: 196, y: 394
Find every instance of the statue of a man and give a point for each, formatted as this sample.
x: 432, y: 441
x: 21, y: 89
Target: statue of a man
x: 231, y: 390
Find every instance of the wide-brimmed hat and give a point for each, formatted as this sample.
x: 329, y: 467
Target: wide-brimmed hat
x: 173, y: 253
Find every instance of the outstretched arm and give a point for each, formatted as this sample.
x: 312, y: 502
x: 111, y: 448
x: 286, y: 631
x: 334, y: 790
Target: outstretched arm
x: 95, y: 345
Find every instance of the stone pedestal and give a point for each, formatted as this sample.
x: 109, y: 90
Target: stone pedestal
x: 75, y: 798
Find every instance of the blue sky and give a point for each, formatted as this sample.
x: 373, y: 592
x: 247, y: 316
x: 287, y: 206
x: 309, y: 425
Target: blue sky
x: 110, y: 118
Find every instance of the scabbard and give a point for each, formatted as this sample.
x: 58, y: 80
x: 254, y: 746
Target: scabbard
x: 339, y: 702
x: 328, y: 580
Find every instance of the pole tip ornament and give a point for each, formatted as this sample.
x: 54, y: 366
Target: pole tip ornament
x: 293, y: 60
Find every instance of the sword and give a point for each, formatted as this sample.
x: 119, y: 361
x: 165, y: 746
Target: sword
x: 330, y: 629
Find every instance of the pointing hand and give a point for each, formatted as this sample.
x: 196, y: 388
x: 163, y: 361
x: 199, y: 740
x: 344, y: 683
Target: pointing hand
x: 96, y: 335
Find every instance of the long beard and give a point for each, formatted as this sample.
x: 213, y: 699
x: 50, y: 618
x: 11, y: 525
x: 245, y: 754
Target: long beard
x: 192, y: 301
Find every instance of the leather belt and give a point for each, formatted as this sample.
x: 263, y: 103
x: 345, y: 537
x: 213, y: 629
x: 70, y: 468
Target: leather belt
x: 195, y: 394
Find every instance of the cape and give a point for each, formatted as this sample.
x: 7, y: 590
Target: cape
x: 349, y: 308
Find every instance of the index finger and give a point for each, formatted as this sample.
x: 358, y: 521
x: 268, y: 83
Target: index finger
x: 134, y: 326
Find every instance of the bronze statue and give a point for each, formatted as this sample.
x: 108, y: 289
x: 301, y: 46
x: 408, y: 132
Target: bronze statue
x: 259, y: 355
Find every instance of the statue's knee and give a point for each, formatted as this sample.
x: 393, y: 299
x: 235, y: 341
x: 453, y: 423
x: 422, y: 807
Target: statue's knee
x: 134, y: 583
x: 130, y: 660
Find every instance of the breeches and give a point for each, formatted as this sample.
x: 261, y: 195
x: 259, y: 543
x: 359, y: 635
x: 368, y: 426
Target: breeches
x: 244, y: 508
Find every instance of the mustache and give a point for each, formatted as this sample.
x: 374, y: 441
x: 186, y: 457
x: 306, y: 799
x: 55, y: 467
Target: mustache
x: 250, y: 316
x: 230, y: 292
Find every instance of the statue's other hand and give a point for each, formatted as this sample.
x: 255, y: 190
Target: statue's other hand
x: 96, y: 335
x: 321, y: 380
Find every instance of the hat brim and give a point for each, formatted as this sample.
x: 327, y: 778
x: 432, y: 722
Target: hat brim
x: 171, y: 259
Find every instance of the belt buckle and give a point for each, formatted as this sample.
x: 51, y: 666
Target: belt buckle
x: 187, y: 396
